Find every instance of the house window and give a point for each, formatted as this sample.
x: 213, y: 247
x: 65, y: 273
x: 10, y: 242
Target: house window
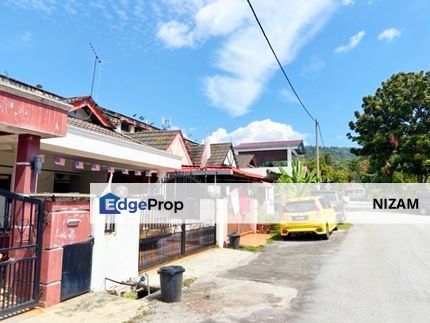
x: 125, y: 127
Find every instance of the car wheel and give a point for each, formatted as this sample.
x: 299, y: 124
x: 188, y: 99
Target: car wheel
x: 326, y: 235
x: 285, y: 238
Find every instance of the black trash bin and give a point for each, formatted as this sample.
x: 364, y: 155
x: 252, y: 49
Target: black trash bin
x: 171, y: 283
x: 234, y: 238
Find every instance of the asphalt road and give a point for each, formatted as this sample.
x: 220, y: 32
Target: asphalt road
x: 372, y: 273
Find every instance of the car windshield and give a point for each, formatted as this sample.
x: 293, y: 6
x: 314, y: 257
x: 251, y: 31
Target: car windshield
x: 300, y: 206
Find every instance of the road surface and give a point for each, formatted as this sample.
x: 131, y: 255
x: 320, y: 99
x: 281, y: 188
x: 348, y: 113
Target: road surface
x: 373, y: 273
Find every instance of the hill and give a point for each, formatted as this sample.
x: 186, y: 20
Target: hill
x: 338, y: 153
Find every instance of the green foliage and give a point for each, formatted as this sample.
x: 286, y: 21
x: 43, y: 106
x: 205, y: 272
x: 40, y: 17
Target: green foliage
x: 393, y: 129
x: 253, y: 248
x: 344, y: 226
x: 333, y: 170
x: 337, y: 153
x: 298, y: 175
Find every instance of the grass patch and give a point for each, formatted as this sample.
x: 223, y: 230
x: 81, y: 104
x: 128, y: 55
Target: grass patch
x: 344, y: 226
x: 188, y: 281
x: 273, y: 238
x: 141, y: 315
x: 129, y: 294
x: 253, y: 248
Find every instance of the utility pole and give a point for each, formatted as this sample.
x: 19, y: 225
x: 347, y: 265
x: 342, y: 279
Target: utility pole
x: 317, y: 149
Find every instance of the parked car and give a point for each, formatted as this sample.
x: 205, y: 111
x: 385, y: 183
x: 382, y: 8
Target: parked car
x: 336, y: 200
x: 312, y: 214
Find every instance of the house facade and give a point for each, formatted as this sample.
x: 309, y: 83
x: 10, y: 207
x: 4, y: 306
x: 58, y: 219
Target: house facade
x: 51, y: 149
x: 268, y: 156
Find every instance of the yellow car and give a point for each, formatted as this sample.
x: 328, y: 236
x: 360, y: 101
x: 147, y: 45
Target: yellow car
x: 309, y: 214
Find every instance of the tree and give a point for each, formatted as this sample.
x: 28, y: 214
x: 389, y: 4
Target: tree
x: 393, y: 129
x: 299, y: 174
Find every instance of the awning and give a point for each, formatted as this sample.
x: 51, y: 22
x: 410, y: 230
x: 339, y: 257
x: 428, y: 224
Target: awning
x: 86, y: 143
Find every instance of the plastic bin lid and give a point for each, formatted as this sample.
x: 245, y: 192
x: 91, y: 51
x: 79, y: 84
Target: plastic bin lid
x: 171, y: 270
x: 233, y: 234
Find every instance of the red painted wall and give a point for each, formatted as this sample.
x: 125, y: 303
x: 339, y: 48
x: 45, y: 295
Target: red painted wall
x: 58, y: 232
x: 24, y: 116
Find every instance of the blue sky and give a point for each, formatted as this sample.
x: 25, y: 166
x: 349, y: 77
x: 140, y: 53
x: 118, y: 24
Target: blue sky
x: 205, y: 65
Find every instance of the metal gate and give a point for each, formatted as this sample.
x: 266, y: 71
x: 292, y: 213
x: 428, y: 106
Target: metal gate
x: 76, y: 276
x: 21, y: 225
x: 166, y: 241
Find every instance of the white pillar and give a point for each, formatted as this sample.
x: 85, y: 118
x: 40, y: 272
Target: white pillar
x: 115, y: 255
x: 289, y: 160
x: 161, y: 175
x: 221, y: 222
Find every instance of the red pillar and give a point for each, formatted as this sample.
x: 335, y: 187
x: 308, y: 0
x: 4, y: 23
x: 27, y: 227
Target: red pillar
x: 25, y: 178
x: 23, y: 213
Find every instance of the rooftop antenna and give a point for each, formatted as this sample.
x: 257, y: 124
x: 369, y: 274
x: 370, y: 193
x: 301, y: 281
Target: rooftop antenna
x: 96, y: 60
x: 166, y: 124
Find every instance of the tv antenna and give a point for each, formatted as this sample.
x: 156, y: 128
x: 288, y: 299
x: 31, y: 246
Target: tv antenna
x: 96, y: 60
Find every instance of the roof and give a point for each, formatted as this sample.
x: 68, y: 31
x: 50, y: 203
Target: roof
x: 117, y: 117
x: 218, y: 153
x: 245, y: 160
x: 33, y: 93
x: 220, y: 170
x: 270, y: 145
x: 99, y: 129
x: 87, y: 101
x: 35, y: 89
x: 160, y: 139
x: 195, y: 151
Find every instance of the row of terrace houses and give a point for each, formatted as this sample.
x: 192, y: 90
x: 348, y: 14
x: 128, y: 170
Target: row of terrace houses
x: 51, y: 149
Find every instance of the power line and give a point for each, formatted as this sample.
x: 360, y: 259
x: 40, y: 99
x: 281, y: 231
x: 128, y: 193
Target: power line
x: 279, y: 63
x: 285, y: 74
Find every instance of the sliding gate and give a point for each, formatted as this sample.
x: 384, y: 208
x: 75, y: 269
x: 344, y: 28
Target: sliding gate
x: 21, y: 225
x: 161, y: 242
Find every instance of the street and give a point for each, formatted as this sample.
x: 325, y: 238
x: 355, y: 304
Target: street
x: 372, y: 273
x: 369, y: 273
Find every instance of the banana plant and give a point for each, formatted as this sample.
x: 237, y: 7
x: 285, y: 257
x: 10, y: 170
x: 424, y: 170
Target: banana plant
x: 299, y: 174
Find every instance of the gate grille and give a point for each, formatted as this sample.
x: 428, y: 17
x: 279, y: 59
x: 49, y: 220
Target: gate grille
x: 161, y: 242
x: 21, y: 225
x: 161, y: 248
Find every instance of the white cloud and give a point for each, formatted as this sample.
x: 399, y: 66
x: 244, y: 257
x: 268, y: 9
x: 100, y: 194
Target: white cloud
x: 243, y: 59
x: 348, y: 2
x: 261, y: 130
x: 174, y: 34
x: 25, y: 37
x: 46, y: 6
x: 389, y: 34
x: 353, y: 42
